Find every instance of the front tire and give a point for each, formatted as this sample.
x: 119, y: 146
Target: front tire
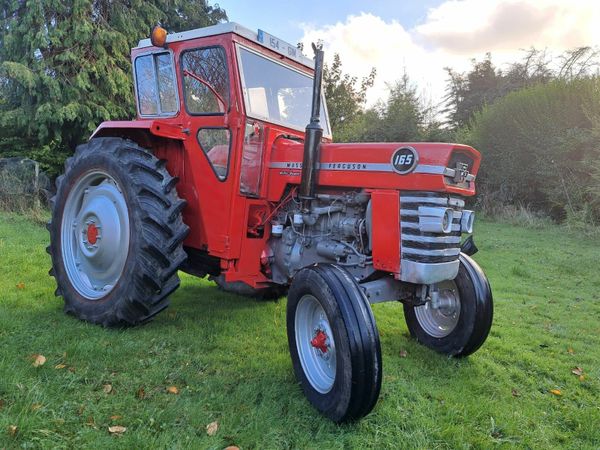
x: 334, y: 343
x: 116, y: 233
x: 463, y: 323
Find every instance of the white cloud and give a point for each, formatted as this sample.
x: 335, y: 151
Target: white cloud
x: 452, y: 34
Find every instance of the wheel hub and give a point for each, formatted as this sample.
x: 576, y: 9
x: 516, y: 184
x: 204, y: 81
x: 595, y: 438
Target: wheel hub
x: 315, y: 344
x: 320, y: 341
x: 92, y: 233
x: 439, y: 316
x: 95, y: 234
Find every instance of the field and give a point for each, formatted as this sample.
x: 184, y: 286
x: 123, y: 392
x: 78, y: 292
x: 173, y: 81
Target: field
x: 218, y: 357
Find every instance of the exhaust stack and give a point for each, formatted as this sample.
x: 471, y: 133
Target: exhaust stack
x: 312, y: 139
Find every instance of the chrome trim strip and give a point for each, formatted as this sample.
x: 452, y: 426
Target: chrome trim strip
x: 425, y: 168
x: 357, y: 166
x: 453, y: 201
x: 436, y: 252
x: 431, y: 239
x: 415, y: 226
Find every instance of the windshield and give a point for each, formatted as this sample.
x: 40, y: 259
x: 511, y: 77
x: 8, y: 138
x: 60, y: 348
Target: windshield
x: 277, y: 93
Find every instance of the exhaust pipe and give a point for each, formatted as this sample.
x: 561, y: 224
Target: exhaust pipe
x: 312, y: 139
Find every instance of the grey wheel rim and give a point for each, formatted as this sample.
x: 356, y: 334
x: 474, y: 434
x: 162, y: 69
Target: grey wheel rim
x: 95, y: 234
x: 439, y: 322
x: 315, y: 344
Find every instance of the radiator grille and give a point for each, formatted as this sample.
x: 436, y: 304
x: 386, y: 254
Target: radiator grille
x: 428, y: 247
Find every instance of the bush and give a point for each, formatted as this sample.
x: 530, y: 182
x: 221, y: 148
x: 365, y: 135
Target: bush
x: 538, y: 145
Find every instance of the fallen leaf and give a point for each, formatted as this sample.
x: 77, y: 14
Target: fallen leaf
x: 577, y: 371
x: 403, y: 353
x: 90, y: 421
x: 117, y: 430
x: 581, y: 377
x: 556, y: 392
x: 12, y: 430
x: 39, y: 360
x: 515, y: 393
x: 212, y: 428
x: 141, y: 393
x: 36, y: 406
x: 80, y: 410
x: 570, y: 351
x: 116, y: 417
x: 173, y: 390
x: 60, y: 366
x: 232, y: 447
x: 20, y: 285
x: 107, y: 388
x: 72, y: 369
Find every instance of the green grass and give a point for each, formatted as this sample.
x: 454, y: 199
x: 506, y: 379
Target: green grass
x: 228, y: 356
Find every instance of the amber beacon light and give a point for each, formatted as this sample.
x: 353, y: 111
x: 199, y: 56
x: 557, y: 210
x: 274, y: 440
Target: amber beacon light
x: 158, y: 37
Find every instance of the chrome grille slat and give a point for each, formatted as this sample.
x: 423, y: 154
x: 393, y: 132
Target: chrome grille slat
x: 443, y: 248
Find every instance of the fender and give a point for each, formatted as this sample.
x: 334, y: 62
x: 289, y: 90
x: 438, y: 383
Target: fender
x: 140, y: 131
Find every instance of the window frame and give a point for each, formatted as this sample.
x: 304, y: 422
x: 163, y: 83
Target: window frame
x: 174, y: 73
x: 287, y: 66
x: 205, y: 153
x: 181, y: 58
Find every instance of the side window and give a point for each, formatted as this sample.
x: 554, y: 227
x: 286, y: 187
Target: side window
x: 215, y: 143
x: 155, y: 80
x: 205, y: 80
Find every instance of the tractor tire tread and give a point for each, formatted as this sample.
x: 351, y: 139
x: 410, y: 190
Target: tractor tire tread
x: 161, y: 233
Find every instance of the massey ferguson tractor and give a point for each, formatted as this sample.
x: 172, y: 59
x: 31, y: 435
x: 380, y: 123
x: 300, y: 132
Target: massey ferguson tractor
x: 219, y: 176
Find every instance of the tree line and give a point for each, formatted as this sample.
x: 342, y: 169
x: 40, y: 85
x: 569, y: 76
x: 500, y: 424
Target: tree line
x: 536, y: 123
x: 65, y: 67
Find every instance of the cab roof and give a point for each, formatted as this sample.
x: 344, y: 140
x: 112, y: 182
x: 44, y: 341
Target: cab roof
x: 260, y: 37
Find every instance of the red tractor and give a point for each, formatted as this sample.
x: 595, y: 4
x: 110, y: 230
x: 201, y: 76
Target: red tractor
x: 218, y: 176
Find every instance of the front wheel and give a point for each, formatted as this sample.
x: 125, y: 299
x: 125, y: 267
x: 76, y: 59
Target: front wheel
x: 461, y: 320
x: 334, y: 343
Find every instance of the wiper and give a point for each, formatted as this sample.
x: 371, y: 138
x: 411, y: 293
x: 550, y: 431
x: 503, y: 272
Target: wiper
x: 208, y: 85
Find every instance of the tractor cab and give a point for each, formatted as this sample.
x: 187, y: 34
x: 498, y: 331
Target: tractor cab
x: 225, y: 93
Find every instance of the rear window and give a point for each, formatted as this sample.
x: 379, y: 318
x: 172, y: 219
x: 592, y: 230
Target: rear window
x: 155, y: 85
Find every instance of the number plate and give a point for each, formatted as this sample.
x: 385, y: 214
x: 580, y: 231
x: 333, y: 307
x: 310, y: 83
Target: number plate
x: 280, y: 46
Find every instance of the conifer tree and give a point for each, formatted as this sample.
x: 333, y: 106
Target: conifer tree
x: 65, y: 66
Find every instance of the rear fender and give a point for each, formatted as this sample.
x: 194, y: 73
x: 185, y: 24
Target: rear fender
x: 143, y: 132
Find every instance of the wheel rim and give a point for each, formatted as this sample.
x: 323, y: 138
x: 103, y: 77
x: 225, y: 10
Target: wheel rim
x: 439, y: 322
x: 95, y: 234
x: 315, y: 344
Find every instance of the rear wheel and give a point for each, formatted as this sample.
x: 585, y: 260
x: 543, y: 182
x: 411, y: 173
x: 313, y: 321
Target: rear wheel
x: 334, y: 343
x: 460, y: 322
x: 116, y: 233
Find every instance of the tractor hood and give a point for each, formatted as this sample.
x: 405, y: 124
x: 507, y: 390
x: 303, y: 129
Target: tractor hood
x: 419, y: 166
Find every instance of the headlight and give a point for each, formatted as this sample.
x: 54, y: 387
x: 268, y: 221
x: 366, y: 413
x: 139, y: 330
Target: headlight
x: 435, y: 220
x: 466, y: 221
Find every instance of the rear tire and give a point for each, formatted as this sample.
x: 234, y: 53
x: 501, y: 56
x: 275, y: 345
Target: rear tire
x: 116, y: 233
x: 461, y: 331
x: 334, y: 343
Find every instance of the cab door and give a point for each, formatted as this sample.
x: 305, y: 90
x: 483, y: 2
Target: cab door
x: 206, y: 92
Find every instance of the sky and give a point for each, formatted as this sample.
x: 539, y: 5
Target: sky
x: 423, y: 37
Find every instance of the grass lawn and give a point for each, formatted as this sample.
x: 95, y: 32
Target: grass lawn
x: 228, y: 358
